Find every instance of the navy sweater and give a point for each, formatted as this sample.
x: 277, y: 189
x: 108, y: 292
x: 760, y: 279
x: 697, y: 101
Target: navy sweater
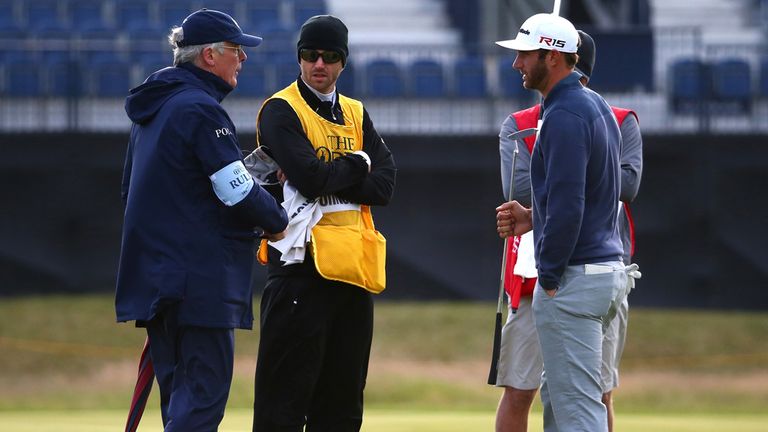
x: 575, y: 179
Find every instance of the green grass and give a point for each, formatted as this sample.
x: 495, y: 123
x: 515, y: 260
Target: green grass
x: 67, y: 353
x: 239, y: 420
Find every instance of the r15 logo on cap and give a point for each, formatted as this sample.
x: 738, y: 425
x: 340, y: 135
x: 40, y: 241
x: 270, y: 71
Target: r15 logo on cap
x: 548, y: 41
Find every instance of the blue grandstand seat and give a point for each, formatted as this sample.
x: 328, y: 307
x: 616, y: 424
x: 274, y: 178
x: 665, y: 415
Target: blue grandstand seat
x: 285, y: 69
x: 252, y: 80
x: 147, y: 37
x: 762, y: 89
x: 152, y: 61
x: 511, y: 82
x: 426, y: 79
x: 305, y: 9
x: 689, y: 84
x: 51, y: 30
x: 732, y: 82
x: 278, y: 40
x: 62, y: 76
x: 172, y: 13
x: 383, y: 79
x: 226, y: 6
x: 469, y: 78
x: 263, y: 14
x: 111, y: 78
x: 131, y: 14
x: 22, y: 79
x: 85, y: 12
x: 347, y: 83
x: 41, y: 13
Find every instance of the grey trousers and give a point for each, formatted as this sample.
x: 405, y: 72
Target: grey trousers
x: 570, y: 326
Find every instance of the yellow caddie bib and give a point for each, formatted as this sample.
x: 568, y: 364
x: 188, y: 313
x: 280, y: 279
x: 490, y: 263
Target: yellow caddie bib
x: 345, y: 244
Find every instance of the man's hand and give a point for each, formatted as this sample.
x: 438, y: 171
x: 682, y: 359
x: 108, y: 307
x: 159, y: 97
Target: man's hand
x: 512, y: 219
x: 273, y: 237
x: 281, y: 177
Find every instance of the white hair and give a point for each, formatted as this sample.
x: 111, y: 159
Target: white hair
x: 188, y: 53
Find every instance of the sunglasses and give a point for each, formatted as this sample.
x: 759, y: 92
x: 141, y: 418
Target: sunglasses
x: 312, y: 56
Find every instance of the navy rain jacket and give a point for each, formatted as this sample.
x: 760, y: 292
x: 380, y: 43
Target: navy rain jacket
x: 180, y: 243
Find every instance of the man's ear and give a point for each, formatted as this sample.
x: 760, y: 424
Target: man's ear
x: 207, y: 56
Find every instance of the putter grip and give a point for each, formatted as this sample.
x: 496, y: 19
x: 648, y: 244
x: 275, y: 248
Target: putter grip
x: 496, y: 351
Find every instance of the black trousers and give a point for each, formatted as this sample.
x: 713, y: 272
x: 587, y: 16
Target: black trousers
x: 313, y: 355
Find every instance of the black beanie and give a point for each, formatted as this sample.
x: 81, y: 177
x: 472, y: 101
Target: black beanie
x: 325, y: 32
x: 586, y: 54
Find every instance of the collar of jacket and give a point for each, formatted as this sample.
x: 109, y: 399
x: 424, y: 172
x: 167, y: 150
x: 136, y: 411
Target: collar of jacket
x: 334, y: 114
x: 569, y: 82
x: 212, y: 84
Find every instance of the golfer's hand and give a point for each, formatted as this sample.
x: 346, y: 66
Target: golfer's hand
x: 281, y: 177
x: 513, y: 219
x: 273, y: 237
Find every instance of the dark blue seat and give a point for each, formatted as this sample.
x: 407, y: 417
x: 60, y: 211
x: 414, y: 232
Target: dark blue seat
x: 383, y: 79
x: 469, y: 78
x: 172, y: 13
x: 278, y: 40
x: 131, y: 14
x: 732, y: 82
x: 305, y: 9
x: 83, y: 12
x: 152, y: 61
x: 41, y: 13
x: 511, y: 82
x: 227, y: 6
x: 285, y: 69
x: 23, y: 78
x: 262, y: 14
x: 109, y: 77
x: 63, y: 76
x: 426, y: 79
x: 689, y: 84
x: 762, y: 89
x: 252, y: 81
x: 347, y: 83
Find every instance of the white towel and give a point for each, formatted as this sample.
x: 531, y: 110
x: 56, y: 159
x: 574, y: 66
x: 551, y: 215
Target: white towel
x: 303, y: 215
x: 526, y: 259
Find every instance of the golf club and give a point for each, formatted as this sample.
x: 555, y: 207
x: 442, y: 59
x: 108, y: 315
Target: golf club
x: 500, y: 304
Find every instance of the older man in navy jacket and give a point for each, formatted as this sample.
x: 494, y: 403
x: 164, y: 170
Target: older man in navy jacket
x: 192, y: 215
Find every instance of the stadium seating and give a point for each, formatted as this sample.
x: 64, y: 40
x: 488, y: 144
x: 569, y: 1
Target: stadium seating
x: 511, y: 82
x: 763, y: 79
x: 469, y: 78
x: 426, y: 79
x: 305, y: 9
x: 285, y: 69
x: 173, y: 12
x: 383, y: 79
x: 689, y: 85
x: 347, y: 83
x: 226, y: 6
x: 252, y: 81
x: 130, y: 14
x: 263, y: 14
x: 22, y: 78
x: 109, y: 75
x: 732, y: 82
x: 41, y: 13
x: 86, y: 14
x: 62, y: 76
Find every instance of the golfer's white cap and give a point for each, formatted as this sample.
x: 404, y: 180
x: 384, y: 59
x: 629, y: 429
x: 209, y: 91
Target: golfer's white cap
x: 544, y: 31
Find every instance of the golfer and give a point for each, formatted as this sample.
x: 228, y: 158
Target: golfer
x: 575, y: 181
